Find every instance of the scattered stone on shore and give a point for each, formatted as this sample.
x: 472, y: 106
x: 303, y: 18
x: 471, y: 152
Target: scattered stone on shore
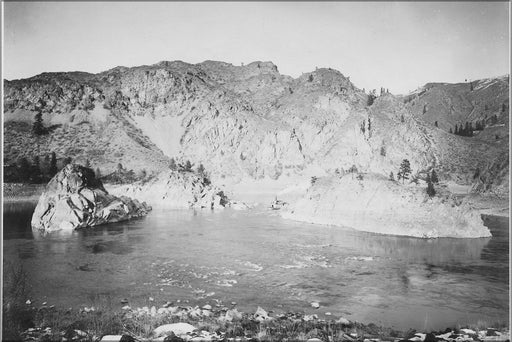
x: 343, y: 320
x: 315, y: 305
x: 75, y: 198
x: 261, y: 315
x: 176, y: 328
x: 111, y: 338
x: 261, y: 320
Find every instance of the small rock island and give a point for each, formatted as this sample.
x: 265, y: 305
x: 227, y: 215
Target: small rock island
x: 75, y: 198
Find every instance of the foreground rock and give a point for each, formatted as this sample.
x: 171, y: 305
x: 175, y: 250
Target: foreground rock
x: 375, y: 204
x: 175, y: 190
x: 74, y: 198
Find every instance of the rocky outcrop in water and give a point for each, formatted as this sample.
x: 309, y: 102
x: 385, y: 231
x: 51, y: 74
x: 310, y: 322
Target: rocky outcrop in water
x: 372, y: 203
x: 175, y: 190
x: 75, y: 198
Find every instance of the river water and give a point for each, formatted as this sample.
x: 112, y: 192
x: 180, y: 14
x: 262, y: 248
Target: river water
x: 255, y: 258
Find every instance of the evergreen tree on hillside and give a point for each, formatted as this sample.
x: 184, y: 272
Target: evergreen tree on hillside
x: 24, y: 168
x: 200, y: 170
x: 402, y: 119
x: 451, y: 130
x: 404, y: 171
x: 435, y: 124
x: 433, y: 176
x: 430, y: 187
x: 38, y: 127
x: 188, y: 166
x: 35, y: 170
x: 371, y: 98
x: 53, y: 165
x: 45, y: 170
x: 391, y: 176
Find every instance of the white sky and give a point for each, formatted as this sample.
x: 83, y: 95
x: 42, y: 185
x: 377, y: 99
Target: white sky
x: 397, y: 45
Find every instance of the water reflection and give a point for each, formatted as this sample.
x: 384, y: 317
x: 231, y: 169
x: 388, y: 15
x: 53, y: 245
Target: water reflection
x: 432, y: 251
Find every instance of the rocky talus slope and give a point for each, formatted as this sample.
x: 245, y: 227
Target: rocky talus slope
x: 371, y: 203
x: 239, y: 121
x: 74, y: 198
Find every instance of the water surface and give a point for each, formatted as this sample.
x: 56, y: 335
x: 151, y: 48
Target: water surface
x: 256, y: 258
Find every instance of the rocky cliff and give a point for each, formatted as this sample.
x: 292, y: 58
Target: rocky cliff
x: 75, y: 198
x: 239, y: 121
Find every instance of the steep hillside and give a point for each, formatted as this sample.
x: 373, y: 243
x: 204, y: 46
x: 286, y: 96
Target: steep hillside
x: 447, y: 104
x: 239, y: 122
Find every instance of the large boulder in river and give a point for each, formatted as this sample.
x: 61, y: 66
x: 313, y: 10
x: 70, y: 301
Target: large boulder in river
x: 75, y: 198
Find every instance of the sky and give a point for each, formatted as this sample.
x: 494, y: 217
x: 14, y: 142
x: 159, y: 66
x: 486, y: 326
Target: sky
x: 395, y: 45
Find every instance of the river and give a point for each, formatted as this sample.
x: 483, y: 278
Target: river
x: 256, y: 258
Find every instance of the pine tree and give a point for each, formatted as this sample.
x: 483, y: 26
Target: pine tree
x: 24, y: 169
x: 433, y: 177
x: 404, y: 171
x: 451, y: 130
x: 402, y: 119
x: 435, y: 124
x: 200, y: 170
x: 391, y: 176
x: 430, y: 187
x: 38, y: 127
x: 53, y: 165
x: 188, y: 166
x: 35, y: 174
x: 46, y: 166
x: 456, y: 129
